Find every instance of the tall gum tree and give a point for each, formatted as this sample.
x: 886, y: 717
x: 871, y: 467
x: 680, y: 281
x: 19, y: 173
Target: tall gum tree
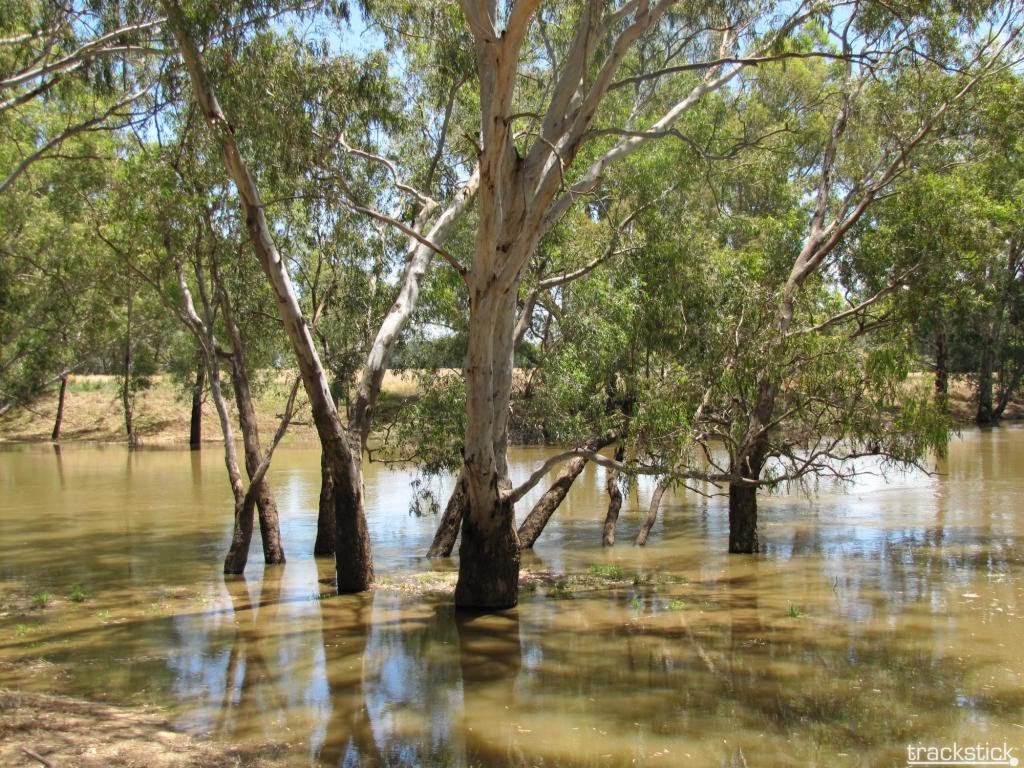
x: 531, y: 176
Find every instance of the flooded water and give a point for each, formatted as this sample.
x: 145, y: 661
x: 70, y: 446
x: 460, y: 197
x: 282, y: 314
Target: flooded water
x: 886, y: 616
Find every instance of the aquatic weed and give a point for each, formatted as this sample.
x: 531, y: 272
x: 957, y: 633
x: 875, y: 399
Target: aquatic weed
x: 78, y: 594
x: 609, y: 572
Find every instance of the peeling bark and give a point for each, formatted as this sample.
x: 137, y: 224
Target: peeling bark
x: 488, y: 561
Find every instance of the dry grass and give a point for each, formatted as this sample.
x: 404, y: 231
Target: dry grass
x: 93, y: 412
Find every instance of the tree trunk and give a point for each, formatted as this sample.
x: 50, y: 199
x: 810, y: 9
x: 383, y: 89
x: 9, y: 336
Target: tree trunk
x: 534, y: 524
x: 941, y: 363
x: 241, y: 538
x: 652, y: 513
x: 195, y: 427
x: 448, y: 529
x: 325, y: 524
x: 985, y: 415
x: 488, y: 560
x: 352, y: 553
x: 127, y: 400
x: 1007, y: 390
x: 59, y: 419
x: 270, y: 528
x: 614, y: 502
x: 353, y: 557
x: 743, y: 519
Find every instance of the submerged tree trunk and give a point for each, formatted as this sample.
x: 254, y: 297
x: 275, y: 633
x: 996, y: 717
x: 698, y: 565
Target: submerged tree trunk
x: 535, y: 522
x: 489, y: 551
x: 743, y: 519
x: 270, y: 529
x: 614, y: 502
x: 985, y: 415
x: 195, y: 426
x: 59, y: 419
x: 325, y: 524
x: 448, y: 529
x: 652, y: 513
x: 488, y: 560
x: 353, y: 558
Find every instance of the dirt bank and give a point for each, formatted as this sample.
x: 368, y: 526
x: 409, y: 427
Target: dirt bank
x: 39, y: 730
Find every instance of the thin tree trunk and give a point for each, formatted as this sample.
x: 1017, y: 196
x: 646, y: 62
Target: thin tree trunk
x: 652, y: 513
x: 448, y: 529
x: 985, y: 415
x: 127, y: 399
x: 743, y: 519
x: 195, y: 427
x: 59, y: 419
x: 325, y: 524
x: 270, y: 529
x: 614, y: 502
x: 533, y: 526
x: 1007, y: 390
x: 941, y: 363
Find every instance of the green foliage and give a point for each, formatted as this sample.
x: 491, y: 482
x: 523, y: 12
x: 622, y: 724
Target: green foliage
x: 42, y: 598
x: 78, y: 594
x: 608, y: 572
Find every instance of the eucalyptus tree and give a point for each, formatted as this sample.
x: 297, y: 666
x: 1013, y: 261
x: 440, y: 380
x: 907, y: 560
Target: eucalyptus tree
x: 342, y: 443
x: 71, y: 75
x: 543, y: 148
x: 793, y: 394
x: 69, y: 68
x: 1000, y: 153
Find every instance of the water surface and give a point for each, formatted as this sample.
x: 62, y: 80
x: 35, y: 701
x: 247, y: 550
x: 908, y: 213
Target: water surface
x: 882, y: 615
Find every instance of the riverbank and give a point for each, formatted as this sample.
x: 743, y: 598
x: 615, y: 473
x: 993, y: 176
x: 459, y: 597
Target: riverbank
x: 43, y: 730
x: 93, y: 411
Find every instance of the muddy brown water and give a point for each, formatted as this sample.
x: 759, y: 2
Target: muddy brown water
x: 886, y: 615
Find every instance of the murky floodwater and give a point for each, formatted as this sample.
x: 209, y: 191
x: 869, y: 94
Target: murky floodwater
x: 888, y: 615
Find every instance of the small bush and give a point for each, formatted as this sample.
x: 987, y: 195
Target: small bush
x: 78, y: 594
x: 42, y: 599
